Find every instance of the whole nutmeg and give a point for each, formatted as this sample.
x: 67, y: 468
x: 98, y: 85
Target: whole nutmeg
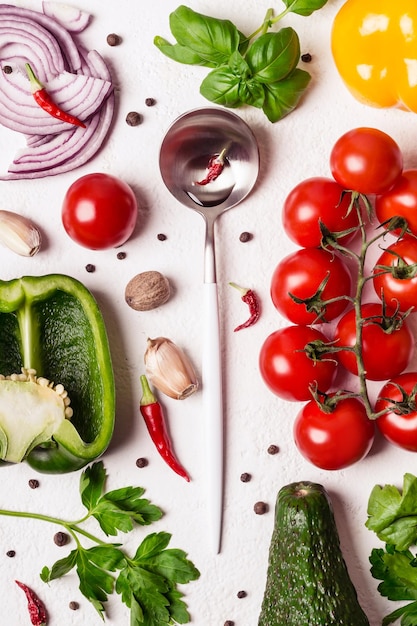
x: 147, y: 291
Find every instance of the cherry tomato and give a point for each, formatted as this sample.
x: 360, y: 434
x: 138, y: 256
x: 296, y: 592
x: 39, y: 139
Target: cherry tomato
x: 301, y: 273
x: 334, y: 440
x: 398, y: 427
x: 314, y: 200
x: 399, y: 287
x: 99, y: 211
x: 366, y: 160
x: 400, y: 200
x: 385, y: 354
x: 287, y: 370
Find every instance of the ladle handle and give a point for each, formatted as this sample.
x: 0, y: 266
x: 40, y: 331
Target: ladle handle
x: 213, y: 406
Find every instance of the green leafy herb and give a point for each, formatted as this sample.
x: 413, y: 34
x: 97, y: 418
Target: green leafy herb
x: 259, y: 70
x: 146, y: 582
x: 392, y: 515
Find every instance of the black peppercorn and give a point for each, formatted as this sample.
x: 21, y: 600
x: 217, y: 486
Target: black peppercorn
x: 11, y: 553
x: 244, y: 237
x: 121, y: 255
x: 229, y: 623
x: 133, y: 118
x: 245, y: 477
x: 74, y: 605
x: 306, y: 57
x: 61, y: 539
x: 241, y: 594
x: 141, y: 462
x: 260, y: 508
x: 33, y: 483
x: 273, y: 449
x: 113, y: 39
x: 7, y: 69
x: 161, y: 237
x: 150, y: 102
x: 90, y: 268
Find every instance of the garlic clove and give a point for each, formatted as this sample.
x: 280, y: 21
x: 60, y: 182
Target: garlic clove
x: 169, y: 369
x: 19, y: 234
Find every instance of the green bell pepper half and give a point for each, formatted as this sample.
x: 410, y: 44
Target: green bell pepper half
x: 53, y: 324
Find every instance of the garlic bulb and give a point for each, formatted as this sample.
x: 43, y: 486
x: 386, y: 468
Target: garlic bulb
x: 169, y: 369
x: 19, y: 234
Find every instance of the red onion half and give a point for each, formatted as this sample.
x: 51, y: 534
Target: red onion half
x: 78, y: 81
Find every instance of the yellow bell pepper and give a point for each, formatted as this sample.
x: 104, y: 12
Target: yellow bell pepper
x: 374, y: 46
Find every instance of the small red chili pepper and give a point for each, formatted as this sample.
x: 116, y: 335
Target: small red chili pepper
x: 37, y: 611
x: 214, y: 168
x: 250, y: 298
x: 46, y: 103
x: 153, y: 415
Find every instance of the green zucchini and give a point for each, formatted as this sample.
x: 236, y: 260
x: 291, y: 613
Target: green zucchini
x: 308, y: 583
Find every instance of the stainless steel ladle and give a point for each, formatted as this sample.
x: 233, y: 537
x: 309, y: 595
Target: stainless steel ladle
x: 187, y: 147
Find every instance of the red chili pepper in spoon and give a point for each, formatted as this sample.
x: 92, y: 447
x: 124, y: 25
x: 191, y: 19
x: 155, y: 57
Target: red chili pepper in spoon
x: 153, y: 415
x: 214, y: 168
x: 37, y: 611
x: 46, y: 103
x: 250, y: 298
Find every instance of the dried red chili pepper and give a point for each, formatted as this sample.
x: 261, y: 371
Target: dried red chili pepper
x: 214, y: 168
x: 46, y: 103
x: 37, y: 611
x: 250, y: 298
x: 153, y: 415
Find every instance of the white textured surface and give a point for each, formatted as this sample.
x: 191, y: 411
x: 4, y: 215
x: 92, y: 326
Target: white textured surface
x: 291, y: 150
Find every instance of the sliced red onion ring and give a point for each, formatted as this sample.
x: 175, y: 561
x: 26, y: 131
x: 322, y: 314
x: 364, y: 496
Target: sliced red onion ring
x: 78, y: 81
x: 73, y: 19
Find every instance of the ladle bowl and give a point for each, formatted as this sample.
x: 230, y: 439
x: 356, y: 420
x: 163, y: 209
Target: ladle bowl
x: 189, y: 144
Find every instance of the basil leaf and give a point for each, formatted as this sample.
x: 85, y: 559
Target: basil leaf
x: 181, y: 54
x: 273, y: 56
x: 212, y: 39
x: 222, y: 86
x: 283, y: 96
x: 304, y: 7
x: 253, y: 93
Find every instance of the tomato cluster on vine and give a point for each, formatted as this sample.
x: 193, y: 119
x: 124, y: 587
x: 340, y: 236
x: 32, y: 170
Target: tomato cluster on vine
x: 369, y: 201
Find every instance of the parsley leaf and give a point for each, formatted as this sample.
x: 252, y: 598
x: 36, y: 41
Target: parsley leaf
x: 393, y: 515
x: 146, y: 582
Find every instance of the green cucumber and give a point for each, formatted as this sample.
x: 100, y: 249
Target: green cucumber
x: 308, y: 583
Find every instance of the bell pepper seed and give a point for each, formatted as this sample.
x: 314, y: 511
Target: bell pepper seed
x: 113, y: 39
x: 133, y: 118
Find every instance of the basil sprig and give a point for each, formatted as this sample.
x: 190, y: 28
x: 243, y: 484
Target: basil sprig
x: 259, y: 70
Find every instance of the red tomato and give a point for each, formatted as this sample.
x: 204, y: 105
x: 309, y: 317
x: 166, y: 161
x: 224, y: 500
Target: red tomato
x: 287, y: 370
x: 399, y: 286
x: 334, y: 440
x: 385, y: 354
x: 317, y: 199
x: 400, y: 428
x: 366, y: 160
x: 301, y: 273
x: 99, y: 211
x: 400, y: 200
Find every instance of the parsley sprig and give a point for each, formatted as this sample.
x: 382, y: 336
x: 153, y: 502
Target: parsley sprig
x: 258, y: 70
x: 392, y: 515
x: 147, y: 581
